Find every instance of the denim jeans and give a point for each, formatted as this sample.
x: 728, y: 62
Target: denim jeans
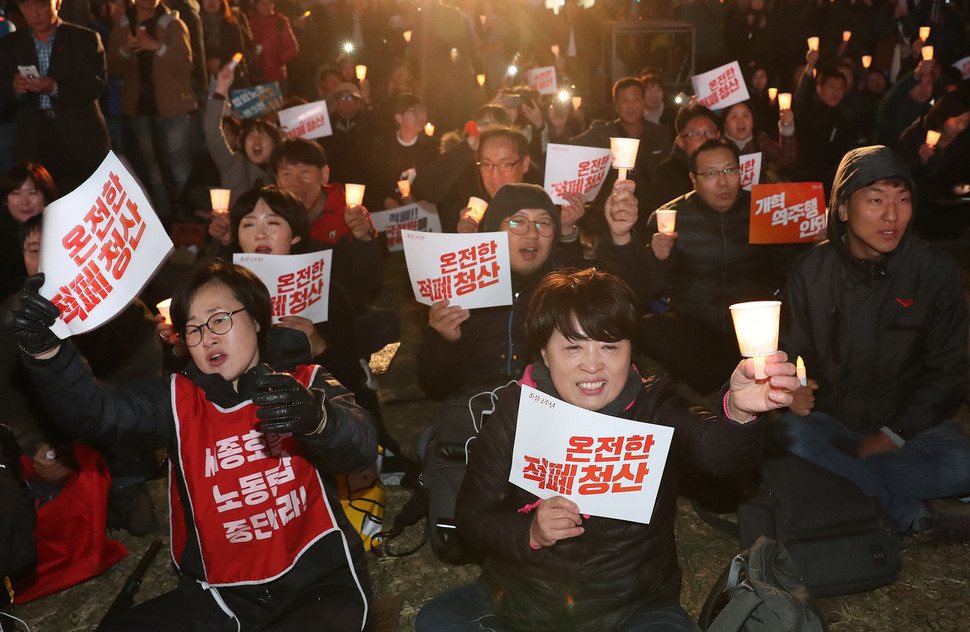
x: 165, y: 149
x: 933, y: 464
x: 469, y: 609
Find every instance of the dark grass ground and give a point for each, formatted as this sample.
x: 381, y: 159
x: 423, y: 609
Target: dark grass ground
x: 931, y: 594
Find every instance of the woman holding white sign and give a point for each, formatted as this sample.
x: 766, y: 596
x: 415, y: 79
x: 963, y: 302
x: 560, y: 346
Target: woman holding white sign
x: 548, y: 566
x: 256, y: 528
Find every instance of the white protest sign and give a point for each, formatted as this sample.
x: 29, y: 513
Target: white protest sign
x: 306, y: 121
x: 750, y: 170
x: 298, y: 284
x: 101, y: 245
x: 964, y: 67
x: 575, y: 169
x: 608, y: 466
x: 471, y: 270
x: 420, y: 216
x: 721, y: 87
x: 543, y: 80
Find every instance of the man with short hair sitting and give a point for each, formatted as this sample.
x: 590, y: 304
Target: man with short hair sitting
x: 880, y: 318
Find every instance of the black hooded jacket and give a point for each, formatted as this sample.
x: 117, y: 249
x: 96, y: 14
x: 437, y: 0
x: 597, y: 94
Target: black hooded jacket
x: 886, y: 340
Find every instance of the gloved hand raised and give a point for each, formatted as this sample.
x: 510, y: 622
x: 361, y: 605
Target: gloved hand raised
x: 285, y: 405
x: 31, y: 317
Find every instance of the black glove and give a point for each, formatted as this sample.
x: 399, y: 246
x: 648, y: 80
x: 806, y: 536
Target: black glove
x: 31, y: 317
x: 285, y: 405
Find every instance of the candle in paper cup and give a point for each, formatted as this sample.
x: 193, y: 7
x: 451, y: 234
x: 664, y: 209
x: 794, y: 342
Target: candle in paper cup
x: 555, y: 50
x: 483, y: 18
x: 800, y: 371
x: 429, y: 129
x: 404, y: 186
x: 927, y: 52
x: 220, y: 200
x: 756, y: 326
x: 624, y: 152
x: 477, y: 208
x: 407, y: 36
x: 932, y: 137
x: 235, y: 60
x: 481, y: 79
x: 813, y: 43
x: 354, y: 193
x: 163, y: 309
x: 577, y: 101
x: 866, y: 61
x: 924, y: 33
x: 814, y: 73
x: 666, y: 220
x: 772, y: 93
x: 784, y: 101
x: 361, y: 71
x: 846, y: 36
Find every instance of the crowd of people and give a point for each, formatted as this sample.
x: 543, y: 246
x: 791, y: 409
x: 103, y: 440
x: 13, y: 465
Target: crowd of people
x: 877, y: 312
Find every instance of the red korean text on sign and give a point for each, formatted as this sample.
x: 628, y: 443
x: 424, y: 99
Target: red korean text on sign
x: 102, y: 246
x: 589, y: 174
x: 462, y: 272
x: 296, y: 291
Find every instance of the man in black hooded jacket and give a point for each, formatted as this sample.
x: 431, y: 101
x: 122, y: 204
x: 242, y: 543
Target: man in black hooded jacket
x: 880, y: 318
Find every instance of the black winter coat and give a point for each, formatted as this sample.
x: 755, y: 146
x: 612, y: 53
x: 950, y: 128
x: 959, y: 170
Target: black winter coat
x: 616, y: 569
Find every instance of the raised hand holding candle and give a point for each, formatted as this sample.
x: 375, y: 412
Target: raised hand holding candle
x: 866, y: 61
x: 772, y: 93
x: 800, y: 371
x: 220, y: 200
x: 927, y: 53
x: 624, y: 152
x: 235, y: 60
x: 924, y: 33
x: 756, y: 326
x: 784, y: 101
x: 354, y: 193
x: 932, y: 137
x: 813, y: 43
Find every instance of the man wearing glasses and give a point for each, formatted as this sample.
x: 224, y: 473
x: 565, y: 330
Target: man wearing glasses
x: 695, y: 124
x: 703, y: 267
x: 350, y: 145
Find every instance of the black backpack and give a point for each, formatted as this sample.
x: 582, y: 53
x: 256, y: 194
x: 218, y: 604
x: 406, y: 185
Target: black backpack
x: 451, y: 440
x: 761, y: 591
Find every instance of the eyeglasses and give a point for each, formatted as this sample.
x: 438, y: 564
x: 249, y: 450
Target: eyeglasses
x: 219, y: 323
x: 346, y: 97
x: 502, y: 167
x: 521, y: 225
x: 709, y: 133
x: 713, y: 173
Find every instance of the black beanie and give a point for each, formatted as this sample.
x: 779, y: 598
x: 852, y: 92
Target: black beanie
x: 512, y: 198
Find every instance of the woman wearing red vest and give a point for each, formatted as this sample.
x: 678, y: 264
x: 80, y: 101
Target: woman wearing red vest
x: 257, y: 533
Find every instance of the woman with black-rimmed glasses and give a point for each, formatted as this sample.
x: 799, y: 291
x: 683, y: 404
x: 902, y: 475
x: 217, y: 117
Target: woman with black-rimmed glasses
x: 257, y: 530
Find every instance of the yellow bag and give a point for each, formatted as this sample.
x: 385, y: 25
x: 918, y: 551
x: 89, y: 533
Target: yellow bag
x: 362, y: 497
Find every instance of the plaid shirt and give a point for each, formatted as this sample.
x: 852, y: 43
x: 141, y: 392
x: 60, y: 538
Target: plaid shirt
x: 43, y: 64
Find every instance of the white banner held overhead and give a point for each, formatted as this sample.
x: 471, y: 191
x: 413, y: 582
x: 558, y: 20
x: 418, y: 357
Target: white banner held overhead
x: 721, y: 87
x: 101, y: 245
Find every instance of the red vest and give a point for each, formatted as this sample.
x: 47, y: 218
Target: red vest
x: 256, y: 500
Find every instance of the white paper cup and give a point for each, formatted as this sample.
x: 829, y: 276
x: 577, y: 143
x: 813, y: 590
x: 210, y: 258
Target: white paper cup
x: 478, y: 207
x: 404, y: 186
x: 666, y: 220
x: 624, y: 152
x: 354, y: 194
x: 784, y: 101
x: 756, y: 326
x: 220, y: 200
x: 164, y: 308
x: 361, y: 71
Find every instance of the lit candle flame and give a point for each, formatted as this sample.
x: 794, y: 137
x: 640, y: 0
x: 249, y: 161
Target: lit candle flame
x: 866, y: 61
x: 813, y: 43
x: 407, y: 36
x: 927, y: 52
x: 932, y: 137
x: 846, y: 36
x: 429, y: 129
x: 924, y: 33
x: 772, y: 93
x: 480, y: 79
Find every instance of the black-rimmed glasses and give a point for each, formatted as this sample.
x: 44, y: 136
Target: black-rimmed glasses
x: 219, y: 323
